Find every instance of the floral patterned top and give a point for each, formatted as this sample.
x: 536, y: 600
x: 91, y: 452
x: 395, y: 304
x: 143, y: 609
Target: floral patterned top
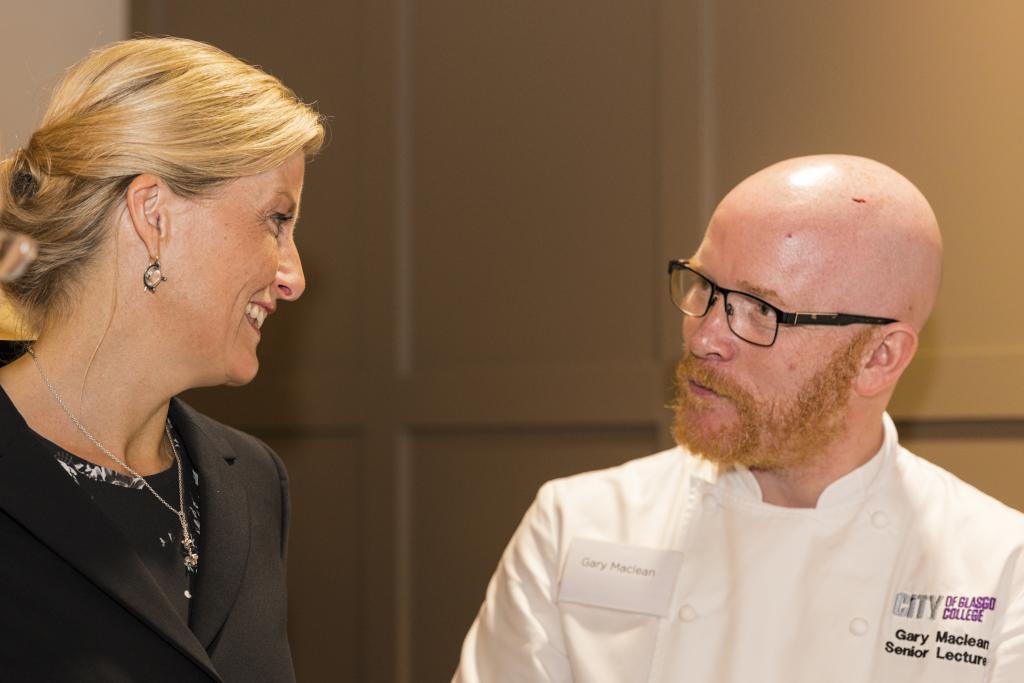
x: 152, y: 530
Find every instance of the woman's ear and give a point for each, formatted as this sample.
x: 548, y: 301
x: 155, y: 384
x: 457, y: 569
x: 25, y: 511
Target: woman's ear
x: 147, y: 209
x: 890, y: 355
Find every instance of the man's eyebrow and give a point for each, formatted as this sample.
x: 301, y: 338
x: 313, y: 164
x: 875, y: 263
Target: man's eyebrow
x: 763, y: 292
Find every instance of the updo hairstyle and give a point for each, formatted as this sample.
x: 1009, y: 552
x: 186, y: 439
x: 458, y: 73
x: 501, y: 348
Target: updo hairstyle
x: 182, y: 110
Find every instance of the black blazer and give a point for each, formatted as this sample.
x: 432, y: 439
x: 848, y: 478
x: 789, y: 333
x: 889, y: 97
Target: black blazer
x: 75, y: 606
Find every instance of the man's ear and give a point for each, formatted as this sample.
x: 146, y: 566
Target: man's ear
x: 146, y: 199
x: 890, y: 355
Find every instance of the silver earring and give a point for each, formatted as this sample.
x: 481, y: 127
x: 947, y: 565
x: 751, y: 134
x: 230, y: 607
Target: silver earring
x: 153, y: 277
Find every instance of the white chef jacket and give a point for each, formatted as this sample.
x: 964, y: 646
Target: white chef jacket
x: 901, y: 573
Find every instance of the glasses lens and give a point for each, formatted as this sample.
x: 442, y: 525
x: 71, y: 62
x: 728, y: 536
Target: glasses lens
x: 752, y: 319
x: 690, y: 292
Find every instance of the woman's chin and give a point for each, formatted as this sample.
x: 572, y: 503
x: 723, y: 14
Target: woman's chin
x: 242, y: 374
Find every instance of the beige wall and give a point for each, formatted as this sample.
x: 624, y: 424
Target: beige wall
x: 41, y: 39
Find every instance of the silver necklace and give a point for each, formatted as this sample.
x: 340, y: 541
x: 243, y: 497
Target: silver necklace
x: 188, y: 544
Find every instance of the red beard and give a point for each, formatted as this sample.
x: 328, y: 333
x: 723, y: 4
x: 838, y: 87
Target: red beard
x: 766, y: 435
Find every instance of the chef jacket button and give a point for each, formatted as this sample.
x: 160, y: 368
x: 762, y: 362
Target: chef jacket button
x: 687, y: 613
x: 709, y: 502
x: 880, y: 519
x: 858, y: 626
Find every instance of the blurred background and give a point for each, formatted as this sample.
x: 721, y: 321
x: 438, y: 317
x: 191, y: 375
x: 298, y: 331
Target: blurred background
x: 485, y: 241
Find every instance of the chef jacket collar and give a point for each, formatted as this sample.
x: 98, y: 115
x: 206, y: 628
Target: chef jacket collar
x: 739, y: 483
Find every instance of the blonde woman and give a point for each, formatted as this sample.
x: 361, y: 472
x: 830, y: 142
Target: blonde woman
x: 162, y: 189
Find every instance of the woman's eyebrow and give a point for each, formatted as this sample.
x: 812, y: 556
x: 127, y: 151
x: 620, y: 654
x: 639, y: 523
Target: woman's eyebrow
x: 293, y: 206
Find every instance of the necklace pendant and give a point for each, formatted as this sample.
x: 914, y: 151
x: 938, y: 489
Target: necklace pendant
x: 191, y: 556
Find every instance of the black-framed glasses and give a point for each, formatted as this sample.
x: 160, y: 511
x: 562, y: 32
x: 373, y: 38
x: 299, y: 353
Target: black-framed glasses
x: 750, y: 318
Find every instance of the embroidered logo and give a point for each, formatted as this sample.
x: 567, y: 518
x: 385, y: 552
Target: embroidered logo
x: 950, y: 607
x: 916, y: 605
x: 946, y: 645
x: 968, y: 607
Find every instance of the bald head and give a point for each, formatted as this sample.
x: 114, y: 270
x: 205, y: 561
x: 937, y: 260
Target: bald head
x: 831, y: 233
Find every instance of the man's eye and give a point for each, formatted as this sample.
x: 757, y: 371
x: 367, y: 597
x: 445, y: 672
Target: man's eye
x: 764, y: 310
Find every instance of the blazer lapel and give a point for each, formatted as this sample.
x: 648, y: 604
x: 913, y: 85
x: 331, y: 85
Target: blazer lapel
x: 224, y: 511
x: 35, y: 491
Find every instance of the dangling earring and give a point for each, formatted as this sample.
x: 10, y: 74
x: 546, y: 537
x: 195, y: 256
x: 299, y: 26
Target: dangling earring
x: 153, y: 277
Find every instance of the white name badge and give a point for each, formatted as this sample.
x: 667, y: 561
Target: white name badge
x: 621, y: 577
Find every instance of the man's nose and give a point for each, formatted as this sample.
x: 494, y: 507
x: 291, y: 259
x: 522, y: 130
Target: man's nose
x: 710, y: 336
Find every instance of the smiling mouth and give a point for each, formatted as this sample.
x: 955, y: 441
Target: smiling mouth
x: 256, y: 315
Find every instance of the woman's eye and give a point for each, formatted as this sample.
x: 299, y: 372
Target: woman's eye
x: 280, y: 220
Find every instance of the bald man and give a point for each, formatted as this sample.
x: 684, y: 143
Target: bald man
x: 788, y: 538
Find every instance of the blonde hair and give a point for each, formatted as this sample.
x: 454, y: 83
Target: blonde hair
x: 182, y: 110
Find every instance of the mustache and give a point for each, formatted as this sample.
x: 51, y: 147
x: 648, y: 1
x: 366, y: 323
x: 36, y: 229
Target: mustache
x: 692, y: 369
